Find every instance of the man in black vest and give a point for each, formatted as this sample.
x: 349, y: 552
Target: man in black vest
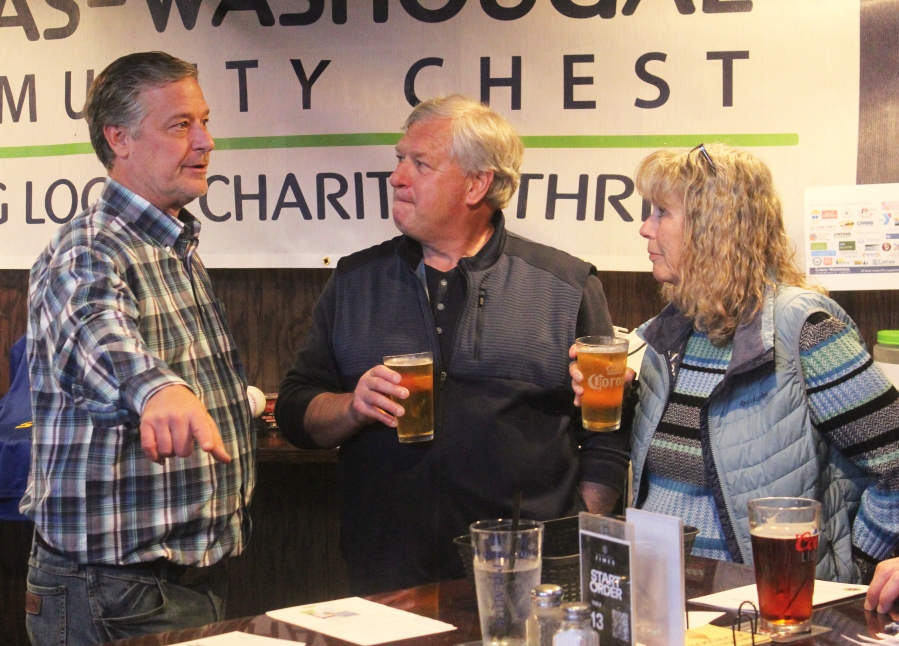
x: 498, y: 313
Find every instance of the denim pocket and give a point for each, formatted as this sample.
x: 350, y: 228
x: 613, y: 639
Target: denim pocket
x: 48, y: 627
x: 127, y: 605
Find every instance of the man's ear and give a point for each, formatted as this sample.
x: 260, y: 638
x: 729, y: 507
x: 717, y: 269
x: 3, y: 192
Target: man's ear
x: 119, y: 139
x: 477, y: 189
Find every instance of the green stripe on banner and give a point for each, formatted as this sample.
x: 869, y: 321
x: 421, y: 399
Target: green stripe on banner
x: 660, y: 141
x: 309, y: 141
x: 52, y: 150
x: 391, y: 138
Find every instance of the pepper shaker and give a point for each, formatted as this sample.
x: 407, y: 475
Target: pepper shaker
x: 546, y: 614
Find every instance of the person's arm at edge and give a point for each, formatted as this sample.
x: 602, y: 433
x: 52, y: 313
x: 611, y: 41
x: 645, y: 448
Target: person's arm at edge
x: 874, y: 529
x: 874, y: 536
x: 312, y: 409
x: 332, y: 418
x: 604, y: 456
x: 315, y: 373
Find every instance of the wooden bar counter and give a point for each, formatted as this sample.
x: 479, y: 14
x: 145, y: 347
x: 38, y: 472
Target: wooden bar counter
x: 454, y: 602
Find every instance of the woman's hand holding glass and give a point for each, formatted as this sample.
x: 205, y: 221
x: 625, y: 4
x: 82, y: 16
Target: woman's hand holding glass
x: 577, y: 377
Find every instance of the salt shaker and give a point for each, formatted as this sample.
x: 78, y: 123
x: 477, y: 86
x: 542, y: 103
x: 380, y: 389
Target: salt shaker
x: 546, y: 614
x: 576, y: 629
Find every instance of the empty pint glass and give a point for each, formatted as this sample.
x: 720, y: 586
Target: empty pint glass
x: 417, y: 376
x: 784, y: 534
x: 507, y: 566
x: 602, y: 360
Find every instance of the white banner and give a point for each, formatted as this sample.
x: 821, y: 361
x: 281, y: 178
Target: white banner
x: 305, y: 115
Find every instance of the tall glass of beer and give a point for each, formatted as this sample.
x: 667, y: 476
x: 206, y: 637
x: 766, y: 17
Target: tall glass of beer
x: 417, y: 376
x: 602, y: 360
x: 784, y: 533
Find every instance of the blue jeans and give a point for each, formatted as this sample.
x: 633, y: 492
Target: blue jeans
x: 74, y: 605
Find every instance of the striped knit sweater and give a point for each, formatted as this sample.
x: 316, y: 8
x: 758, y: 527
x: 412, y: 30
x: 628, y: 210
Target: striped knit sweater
x: 852, y: 404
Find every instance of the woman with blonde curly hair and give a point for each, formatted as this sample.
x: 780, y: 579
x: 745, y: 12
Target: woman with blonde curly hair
x: 755, y: 384
x: 734, y: 245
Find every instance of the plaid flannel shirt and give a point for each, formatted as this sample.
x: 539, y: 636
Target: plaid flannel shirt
x: 119, y: 308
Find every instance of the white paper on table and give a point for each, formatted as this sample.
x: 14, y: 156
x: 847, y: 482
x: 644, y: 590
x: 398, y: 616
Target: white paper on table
x: 360, y: 621
x: 825, y: 592
x: 237, y: 639
x: 700, y: 618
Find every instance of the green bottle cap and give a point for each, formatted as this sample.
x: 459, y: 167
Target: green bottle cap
x: 888, y: 337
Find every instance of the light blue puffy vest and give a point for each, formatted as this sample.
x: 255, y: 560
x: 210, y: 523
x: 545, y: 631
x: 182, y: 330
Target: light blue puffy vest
x: 757, y: 424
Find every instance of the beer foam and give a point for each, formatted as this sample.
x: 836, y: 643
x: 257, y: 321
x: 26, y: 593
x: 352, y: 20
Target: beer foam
x: 602, y: 349
x: 790, y: 530
x: 407, y: 361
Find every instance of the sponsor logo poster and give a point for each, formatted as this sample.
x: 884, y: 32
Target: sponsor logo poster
x: 308, y: 97
x: 852, y: 236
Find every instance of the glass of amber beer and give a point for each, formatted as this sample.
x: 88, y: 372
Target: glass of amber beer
x: 417, y: 376
x: 784, y: 534
x: 602, y: 360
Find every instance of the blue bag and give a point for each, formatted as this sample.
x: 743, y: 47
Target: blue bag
x: 15, y: 434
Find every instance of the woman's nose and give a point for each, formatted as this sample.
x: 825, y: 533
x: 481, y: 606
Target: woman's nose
x: 647, y: 229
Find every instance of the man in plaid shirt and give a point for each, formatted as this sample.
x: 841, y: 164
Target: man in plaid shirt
x: 133, y: 368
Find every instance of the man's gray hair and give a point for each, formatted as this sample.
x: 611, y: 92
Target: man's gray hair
x: 482, y: 140
x: 114, y: 97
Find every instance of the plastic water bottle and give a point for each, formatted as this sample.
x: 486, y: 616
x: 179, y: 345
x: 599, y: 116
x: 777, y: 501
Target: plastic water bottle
x: 886, y: 354
x: 575, y: 629
x: 546, y: 614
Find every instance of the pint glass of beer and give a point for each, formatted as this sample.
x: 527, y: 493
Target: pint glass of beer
x: 417, y: 376
x: 602, y: 360
x: 784, y: 534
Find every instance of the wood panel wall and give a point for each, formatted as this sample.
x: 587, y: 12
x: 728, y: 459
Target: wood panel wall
x: 13, y: 316
x: 269, y: 312
x: 293, y: 557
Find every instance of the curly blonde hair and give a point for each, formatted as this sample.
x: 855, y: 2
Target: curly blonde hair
x: 735, y: 245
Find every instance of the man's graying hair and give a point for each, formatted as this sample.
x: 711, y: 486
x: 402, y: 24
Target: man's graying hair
x: 114, y: 97
x: 482, y: 140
